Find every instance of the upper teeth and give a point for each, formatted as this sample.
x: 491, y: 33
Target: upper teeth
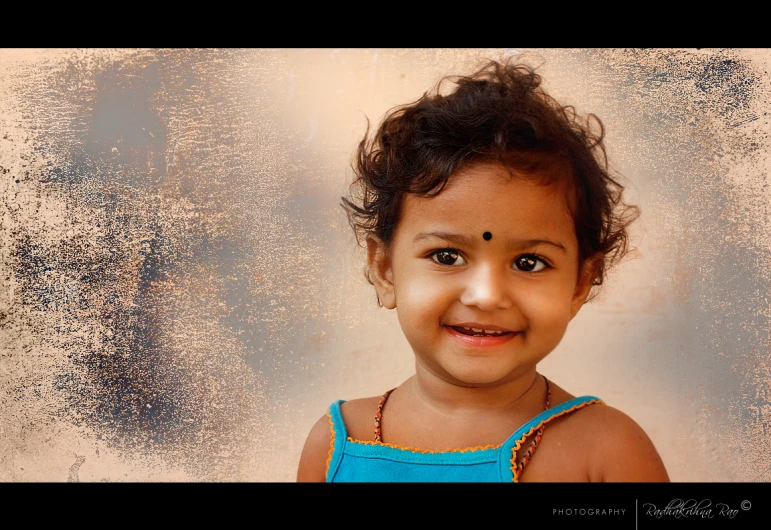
x: 488, y: 331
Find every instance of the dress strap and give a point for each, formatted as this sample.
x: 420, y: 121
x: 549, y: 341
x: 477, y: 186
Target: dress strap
x: 531, y: 450
x: 379, y: 413
x: 338, y: 436
x: 514, y: 443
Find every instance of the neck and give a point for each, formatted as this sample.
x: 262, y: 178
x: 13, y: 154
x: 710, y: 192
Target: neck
x: 523, y: 391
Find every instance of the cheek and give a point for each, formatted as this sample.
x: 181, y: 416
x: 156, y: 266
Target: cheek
x: 421, y: 302
x: 546, y: 307
x: 418, y: 294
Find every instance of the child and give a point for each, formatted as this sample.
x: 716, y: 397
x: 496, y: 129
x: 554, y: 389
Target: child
x: 489, y: 215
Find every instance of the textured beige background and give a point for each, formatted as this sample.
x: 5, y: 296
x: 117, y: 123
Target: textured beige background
x: 181, y: 297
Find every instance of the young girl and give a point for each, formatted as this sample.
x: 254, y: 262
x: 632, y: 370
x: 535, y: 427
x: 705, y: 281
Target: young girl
x: 489, y: 215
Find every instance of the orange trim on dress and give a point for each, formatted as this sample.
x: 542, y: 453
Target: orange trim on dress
x: 518, y: 445
x: 416, y: 450
x: 331, y: 444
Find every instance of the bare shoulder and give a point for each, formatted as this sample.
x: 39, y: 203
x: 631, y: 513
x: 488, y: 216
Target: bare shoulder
x: 618, y: 449
x: 313, y: 460
x: 358, y: 417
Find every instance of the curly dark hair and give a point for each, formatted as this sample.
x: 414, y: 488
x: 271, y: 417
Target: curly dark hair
x: 499, y: 113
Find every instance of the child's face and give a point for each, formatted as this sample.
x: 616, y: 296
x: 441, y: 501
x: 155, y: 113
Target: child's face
x: 442, y: 274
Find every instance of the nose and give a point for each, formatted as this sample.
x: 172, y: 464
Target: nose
x: 487, y: 289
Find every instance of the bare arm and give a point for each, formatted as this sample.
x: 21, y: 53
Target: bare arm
x: 625, y: 452
x: 313, y: 460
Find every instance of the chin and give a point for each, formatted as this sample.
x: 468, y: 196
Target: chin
x: 477, y: 378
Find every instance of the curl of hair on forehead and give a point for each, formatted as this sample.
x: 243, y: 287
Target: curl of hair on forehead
x: 498, y: 114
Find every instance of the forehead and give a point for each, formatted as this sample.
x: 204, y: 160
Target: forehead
x: 486, y: 197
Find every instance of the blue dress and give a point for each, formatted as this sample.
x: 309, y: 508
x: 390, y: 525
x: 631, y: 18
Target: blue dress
x: 366, y: 461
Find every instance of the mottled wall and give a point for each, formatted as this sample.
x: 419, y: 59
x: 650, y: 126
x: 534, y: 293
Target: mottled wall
x: 181, y: 297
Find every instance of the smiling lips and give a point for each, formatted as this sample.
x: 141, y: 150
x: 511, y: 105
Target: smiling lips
x: 478, y: 328
x: 478, y: 332
x: 480, y: 335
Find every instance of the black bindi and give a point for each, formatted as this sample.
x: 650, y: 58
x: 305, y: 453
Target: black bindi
x: 488, y: 236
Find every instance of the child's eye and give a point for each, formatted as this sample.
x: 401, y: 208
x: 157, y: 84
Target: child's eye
x: 447, y: 257
x: 530, y: 263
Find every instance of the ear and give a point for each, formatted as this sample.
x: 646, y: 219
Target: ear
x: 585, y: 282
x: 380, y: 272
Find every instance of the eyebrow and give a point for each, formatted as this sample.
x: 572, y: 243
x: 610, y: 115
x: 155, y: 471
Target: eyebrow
x: 518, y: 243
x: 455, y: 239
x: 462, y: 240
